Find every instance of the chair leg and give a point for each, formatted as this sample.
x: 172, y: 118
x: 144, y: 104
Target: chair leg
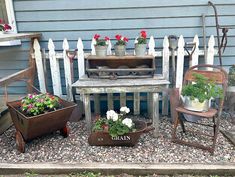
x: 182, y: 123
x: 216, y: 131
x: 176, y: 123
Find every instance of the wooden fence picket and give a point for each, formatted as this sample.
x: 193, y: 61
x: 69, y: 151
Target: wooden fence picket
x: 210, y: 51
x: 81, y: 59
x: 39, y: 65
x: 67, y: 70
x: 93, y: 42
x: 151, y: 50
x: 195, y: 54
x: 180, y: 63
x: 55, y: 69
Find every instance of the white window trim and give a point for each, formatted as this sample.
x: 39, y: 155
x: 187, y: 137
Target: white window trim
x: 12, y: 22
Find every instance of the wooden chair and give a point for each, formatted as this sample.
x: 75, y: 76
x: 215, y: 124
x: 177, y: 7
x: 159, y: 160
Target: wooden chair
x: 220, y: 76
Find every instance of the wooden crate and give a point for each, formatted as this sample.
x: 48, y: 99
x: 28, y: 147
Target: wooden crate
x: 114, y: 67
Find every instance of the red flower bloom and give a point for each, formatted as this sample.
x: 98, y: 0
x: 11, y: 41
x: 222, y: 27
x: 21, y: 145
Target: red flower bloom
x: 97, y: 36
x: 6, y: 27
x: 106, y: 38
x: 118, y: 37
x: 125, y: 39
x: 143, y: 34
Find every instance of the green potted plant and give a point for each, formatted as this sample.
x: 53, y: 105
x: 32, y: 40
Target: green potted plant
x: 196, y: 96
x: 39, y: 114
x: 116, y: 129
x: 140, y: 46
x: 120, y: 46
x: 101, y: 45
x: 4, y: 27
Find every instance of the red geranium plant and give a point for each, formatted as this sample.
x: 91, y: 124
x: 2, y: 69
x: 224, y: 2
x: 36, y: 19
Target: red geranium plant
x: 142, y: 39
x: 121, y: 40
x: 99, y: 41
x: 4, y: 26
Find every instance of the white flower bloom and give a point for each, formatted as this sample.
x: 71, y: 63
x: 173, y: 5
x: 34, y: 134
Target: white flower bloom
x: 112, y: 115
x: 128, y: 122
x: 124, y: 109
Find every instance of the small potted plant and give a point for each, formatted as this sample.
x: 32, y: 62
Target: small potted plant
x: 140, y: 46
x: 101, y: 45
x: 39, y: 114
x: 4, y: 27
x: 116, y: 129
x: 120, y: 46
x: 196, y: 96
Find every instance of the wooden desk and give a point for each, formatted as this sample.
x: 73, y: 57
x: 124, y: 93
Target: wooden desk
x: 87, y: 86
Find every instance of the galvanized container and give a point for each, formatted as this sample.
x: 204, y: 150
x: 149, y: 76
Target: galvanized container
x: 195, y: 105
x: 140, y: 49
x: 120, y: 50
x: 101, y: 51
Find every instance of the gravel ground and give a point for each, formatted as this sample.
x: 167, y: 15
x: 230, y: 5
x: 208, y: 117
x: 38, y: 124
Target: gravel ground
x: 75, y: 148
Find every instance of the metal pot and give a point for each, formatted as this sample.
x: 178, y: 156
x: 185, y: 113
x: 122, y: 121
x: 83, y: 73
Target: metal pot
x: 101, y: 51
x: 195, y: 105
x: 120, y: 50
x: 140, y: 50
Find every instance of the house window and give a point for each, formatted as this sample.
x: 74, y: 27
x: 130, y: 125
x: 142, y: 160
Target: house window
x: 7, y: 14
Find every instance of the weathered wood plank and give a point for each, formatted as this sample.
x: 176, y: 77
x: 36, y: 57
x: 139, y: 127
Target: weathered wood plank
x: 7, y: 37
x: 110, y: 101
x: 155, y: 115
x: 87, y: 107
x: 81, y: 59
x: 97, y: 104
x: 39, y: 64
x: 195, y: 53
x: 122, y: 99
x: 149, y: 105
x: 211, y: 51
x: 136, y: 103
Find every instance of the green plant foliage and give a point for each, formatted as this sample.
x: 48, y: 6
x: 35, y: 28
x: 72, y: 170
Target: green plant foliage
x: 35, y: 104
x: 202, y: 89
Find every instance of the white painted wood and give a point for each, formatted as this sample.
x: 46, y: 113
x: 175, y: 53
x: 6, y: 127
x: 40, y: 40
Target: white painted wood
x: 55, y: 70
x: 109, y: 49
x: 151, y: 50
x: 210, y: 51
x: 136, y: 41
x: 136, y: 103
x: 67, y: 70
x: 165, y: 58
x: 81, y: 59
x: 196, y: 52
x: 180, y: 63
x: 39, y: 65
x: 93, y: 42
x: 155, y: 114
x: 110, y: 101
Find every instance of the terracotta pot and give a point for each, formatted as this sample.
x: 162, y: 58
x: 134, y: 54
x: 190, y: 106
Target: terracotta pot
x: 101, y: 51
x: 140, y: 49
x: 120, y: 50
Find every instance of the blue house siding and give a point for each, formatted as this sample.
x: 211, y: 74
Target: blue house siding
x: 59, y: 19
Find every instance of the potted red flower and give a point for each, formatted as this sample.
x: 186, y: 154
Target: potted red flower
x: 4, y: 27
x: 101, y: 45
x: 120, y: 46
x: 140, y: 46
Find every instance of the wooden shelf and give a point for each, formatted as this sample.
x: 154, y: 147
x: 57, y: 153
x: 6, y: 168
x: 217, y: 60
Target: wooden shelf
x: 113, y: 57
x: 9, y: 37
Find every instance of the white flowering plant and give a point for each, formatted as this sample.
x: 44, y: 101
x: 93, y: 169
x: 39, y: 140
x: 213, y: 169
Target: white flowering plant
x: 115, y: 124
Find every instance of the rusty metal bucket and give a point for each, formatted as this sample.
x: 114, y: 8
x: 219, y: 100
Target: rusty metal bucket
x: 129, y: 139
x: 28, y: 128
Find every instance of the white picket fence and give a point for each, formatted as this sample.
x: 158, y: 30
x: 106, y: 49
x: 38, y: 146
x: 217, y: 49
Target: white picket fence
x: 54, y: 58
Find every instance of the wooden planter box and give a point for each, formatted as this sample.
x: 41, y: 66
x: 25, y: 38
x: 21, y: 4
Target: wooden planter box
x: 114, y: 67
x: 28, y: 128
x: 129, y: 139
